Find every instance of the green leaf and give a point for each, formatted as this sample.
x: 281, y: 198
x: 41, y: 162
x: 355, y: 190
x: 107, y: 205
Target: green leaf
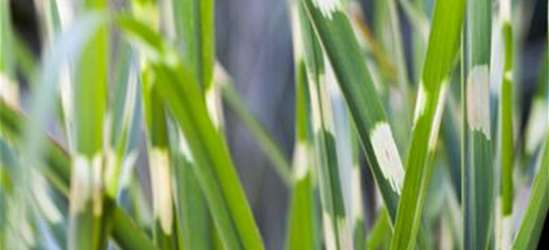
x: 355, y: 82
x: 478, y: 171
x: 86, y: 229
x: 160, y: 165
x: 215, y: 172
x: 337, y: 231
x: 194, y: 28
x: 441, y: 53
x: 337, y: 38
x: 57, y: 170
x: 529, y: 234
x: 302, y: 221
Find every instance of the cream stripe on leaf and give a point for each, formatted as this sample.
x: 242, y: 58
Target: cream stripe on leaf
x: 337, y: 38
x: 336, y: 228
x: 57, y: 172
x: 478, y: 170
x: 442, y: 49
x: 302, y: 222
x: 90, y: 104
x: 194, y: 29
x: 160, y: 165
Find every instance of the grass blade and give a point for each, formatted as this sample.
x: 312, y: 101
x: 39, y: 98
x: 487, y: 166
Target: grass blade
x: 337, y: 38
x: 441, y: 52
x: 478, y: 173
x: 90, y: 94
x: 529, y: 234
x: 194, y: 32
x: 335, y: 33
x: 506, y: 133
x: 225, y: 196
x: 160, y: 165
x: 337, y: 234
x: 216, y: 173
x: 57, y: 170
x: 194, y: 28
x: 302, y: 222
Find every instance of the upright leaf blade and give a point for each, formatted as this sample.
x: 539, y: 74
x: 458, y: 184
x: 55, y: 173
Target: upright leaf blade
x: 301, y: 233
x: 478, y: 171
x: 215, y: 173
x: 337, y: 37
x: 529, y: 235
x: 441, y: 53
x: 57, y: 170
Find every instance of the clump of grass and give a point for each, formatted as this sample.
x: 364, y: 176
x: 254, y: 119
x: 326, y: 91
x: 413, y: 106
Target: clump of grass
x: 105, y: 73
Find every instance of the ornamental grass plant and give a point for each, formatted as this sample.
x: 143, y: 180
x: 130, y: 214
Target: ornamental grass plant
x: 411, y: 131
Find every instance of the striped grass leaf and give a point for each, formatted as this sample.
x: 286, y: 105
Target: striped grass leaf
x: 334, y: 31
x: 478, y: 171
x: 302, y: 222
x: 90, y: 99
x: 193, y: 25
x: 122, y: 120
x: 68, y: 45
x: 57, y: 170
x: 347, y: 150
x: 529, y: 234
x: 160, y: 165
x: 336, y: 227
x: 337, y: 233
x: 506, y: 113
x: 215, y: 172
x: 336, y: 35
x: 505, y: 133
x: 441, y: 52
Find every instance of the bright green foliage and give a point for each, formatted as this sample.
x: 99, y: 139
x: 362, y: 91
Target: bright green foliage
x: 337, y: 233
x: 194, y: 26
x: 118, y: 89
x: 90, y: 95
x: 441, y: 52
x: 58, y: 170
x: 335, y: 33
x: 302, y: 222
x: 530, y: 230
